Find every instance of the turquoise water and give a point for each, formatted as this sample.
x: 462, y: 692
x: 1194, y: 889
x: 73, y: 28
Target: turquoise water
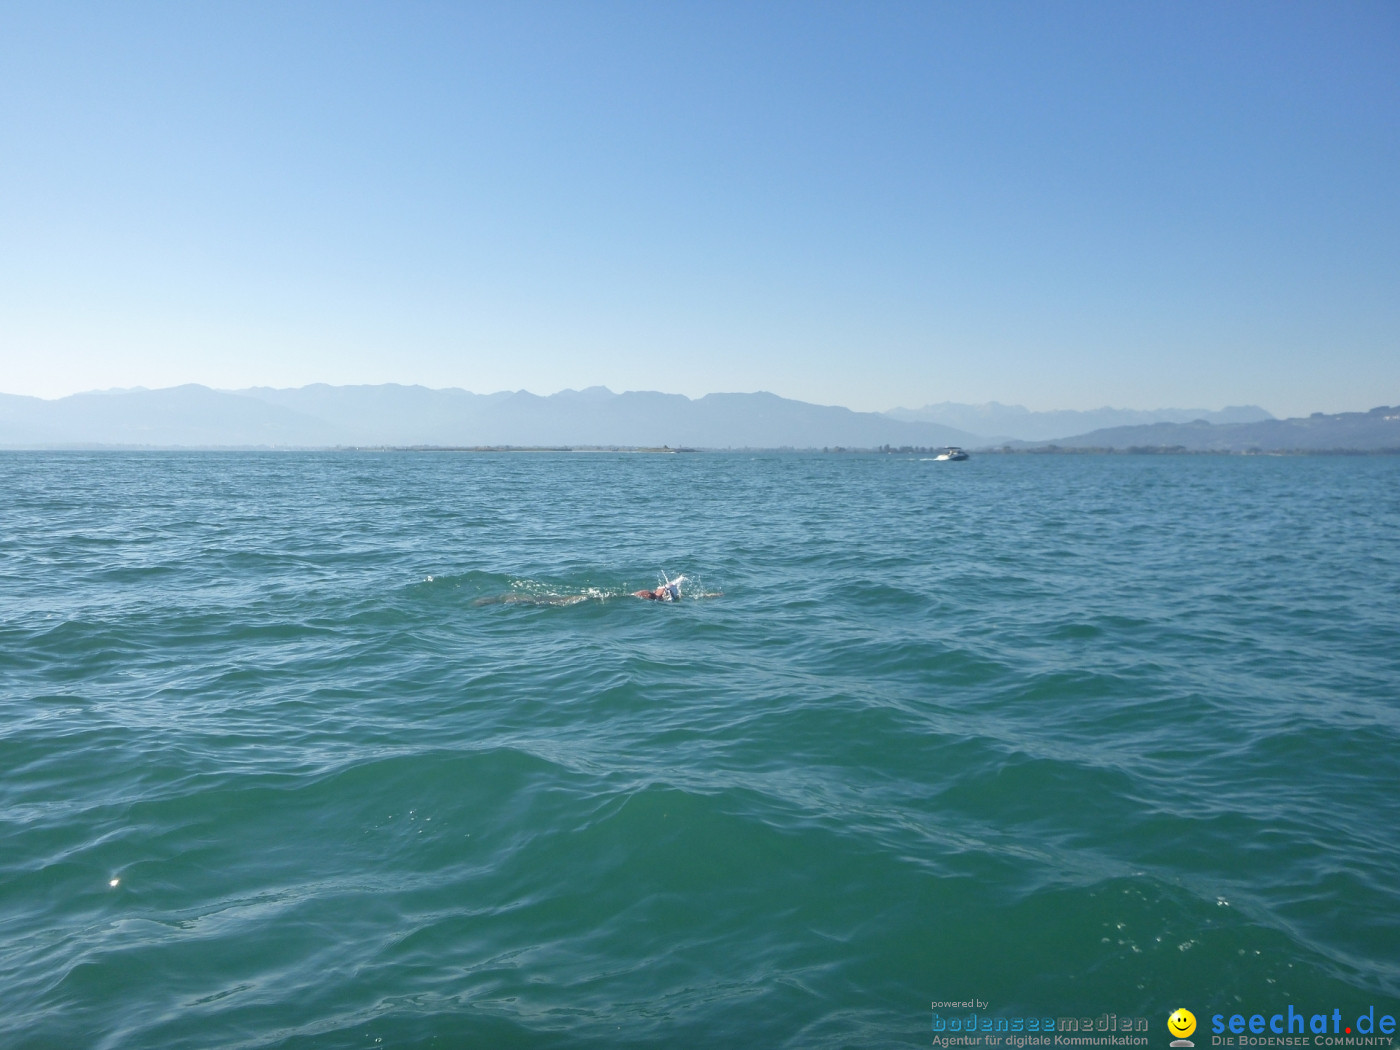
x: 374, y: 750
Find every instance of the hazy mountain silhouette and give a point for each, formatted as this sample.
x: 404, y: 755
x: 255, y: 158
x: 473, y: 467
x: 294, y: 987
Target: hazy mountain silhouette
x: 182, y: 415
x: 995, y: 422
x: 389, y: 414
x: 1376, y: 430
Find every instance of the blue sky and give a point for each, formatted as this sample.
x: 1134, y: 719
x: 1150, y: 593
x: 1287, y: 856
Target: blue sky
x: 1063, y: 205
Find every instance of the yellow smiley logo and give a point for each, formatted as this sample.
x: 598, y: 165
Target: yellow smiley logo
x: 1181, y: 1023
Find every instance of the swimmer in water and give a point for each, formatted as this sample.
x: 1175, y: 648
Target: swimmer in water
x: 669, y: 591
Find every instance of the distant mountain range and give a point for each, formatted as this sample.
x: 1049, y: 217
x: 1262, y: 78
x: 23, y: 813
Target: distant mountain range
x: 995, y: 423
x: 321, y: 416
x: 1375, y: 431
x: 324, y: 416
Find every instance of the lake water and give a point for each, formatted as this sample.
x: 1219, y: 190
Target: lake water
x: 374, y: 749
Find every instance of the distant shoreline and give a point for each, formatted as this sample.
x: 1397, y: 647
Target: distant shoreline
x: 1040, y: 450
x: 390, y: 417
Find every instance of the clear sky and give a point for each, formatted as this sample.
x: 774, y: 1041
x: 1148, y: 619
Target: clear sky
x: 1058, y: 204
